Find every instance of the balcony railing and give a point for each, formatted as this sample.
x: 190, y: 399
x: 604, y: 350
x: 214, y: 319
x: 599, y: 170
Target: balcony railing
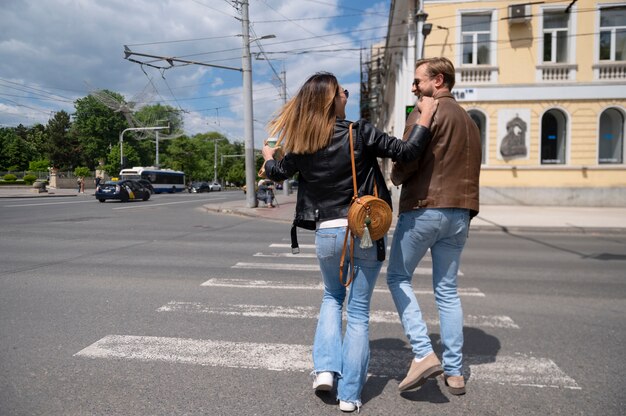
x: 477, y: 74
x: 610, y: 71
x: 557, y: 72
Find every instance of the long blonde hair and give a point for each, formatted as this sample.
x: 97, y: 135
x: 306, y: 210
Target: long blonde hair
x: 306, y: 122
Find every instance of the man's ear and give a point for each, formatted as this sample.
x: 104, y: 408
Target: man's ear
x: 439, y: 80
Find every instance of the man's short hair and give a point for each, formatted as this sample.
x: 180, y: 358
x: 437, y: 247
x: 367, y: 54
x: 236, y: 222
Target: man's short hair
x: 439, y: 65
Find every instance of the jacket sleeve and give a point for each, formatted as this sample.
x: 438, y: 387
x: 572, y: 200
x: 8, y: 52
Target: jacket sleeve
x: 282, y: 169
x: 396, y: 149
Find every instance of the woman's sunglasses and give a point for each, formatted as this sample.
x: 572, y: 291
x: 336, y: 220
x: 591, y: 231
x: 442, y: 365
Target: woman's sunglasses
x: 346, y: 93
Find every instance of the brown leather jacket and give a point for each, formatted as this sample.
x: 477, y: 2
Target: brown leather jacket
x: 447, y: 174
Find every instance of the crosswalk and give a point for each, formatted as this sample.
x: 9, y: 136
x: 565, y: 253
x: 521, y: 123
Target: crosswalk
x: 515, y: 370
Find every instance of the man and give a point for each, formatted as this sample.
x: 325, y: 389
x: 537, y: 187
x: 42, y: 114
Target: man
x: 439, y: 197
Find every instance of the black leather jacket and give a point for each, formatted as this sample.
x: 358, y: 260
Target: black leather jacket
x: 325, y: 187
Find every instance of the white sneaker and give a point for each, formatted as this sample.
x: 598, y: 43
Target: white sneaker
x: 323, y: 381
x: 346, y: 406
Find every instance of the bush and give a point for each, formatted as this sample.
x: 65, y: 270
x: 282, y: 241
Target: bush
x: 9, y: 177
x: 29, y: 179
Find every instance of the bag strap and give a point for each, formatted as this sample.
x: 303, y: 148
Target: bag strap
x: 356, y: 192
x: 348, y: 232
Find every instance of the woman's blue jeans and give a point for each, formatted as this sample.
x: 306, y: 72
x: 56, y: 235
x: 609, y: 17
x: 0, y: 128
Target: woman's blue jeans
x: 444, y: 231
x: 349, y: 358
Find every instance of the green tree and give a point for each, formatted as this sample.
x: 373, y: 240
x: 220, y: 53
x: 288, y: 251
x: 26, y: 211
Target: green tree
x: 63, y: 148
x: 97, y: 128
x: 14, y: 153
x: 153, y: 116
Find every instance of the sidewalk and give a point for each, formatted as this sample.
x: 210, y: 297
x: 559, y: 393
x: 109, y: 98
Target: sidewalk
x: 491, y: 217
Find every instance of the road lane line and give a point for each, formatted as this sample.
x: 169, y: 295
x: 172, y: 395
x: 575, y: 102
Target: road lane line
x: 310, y: 312
x: 516, y: 370
x: 290, y: 255
x: 311, y: 267
x: 170, y: 203
x: 48, y: 203
x: 268, y: 284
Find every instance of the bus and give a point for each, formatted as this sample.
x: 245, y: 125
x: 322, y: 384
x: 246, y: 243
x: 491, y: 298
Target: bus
x: 162, y: 180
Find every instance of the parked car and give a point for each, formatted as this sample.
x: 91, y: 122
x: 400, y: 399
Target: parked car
x: 199, y: 186
x: 146, y: 184
x: 215, y: 186
x: 124, y: 190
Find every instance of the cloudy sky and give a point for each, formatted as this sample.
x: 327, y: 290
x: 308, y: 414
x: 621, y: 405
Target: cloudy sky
x: 55, y: 51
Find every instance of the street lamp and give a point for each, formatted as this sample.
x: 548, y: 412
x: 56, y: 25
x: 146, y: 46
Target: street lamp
x: 422, y: 32
x: 136, y: 129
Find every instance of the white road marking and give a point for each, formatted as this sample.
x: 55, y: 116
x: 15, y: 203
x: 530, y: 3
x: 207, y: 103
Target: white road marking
x: 170, y: 203
x: 268, y: 284
x: 309, y: 312
x: 302, y: 246
x: 513, y: 370
x: 311, y: 267
x: 50, y: 203
x: 290, y: 255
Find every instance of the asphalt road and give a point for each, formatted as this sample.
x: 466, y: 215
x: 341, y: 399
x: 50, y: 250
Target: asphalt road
x: 161, y: 308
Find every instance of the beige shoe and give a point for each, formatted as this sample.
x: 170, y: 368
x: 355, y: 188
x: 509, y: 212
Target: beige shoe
x: 429, y: 367
x: 456, y: 384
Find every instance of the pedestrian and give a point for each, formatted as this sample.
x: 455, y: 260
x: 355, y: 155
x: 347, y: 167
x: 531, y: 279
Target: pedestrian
x: 265, y: 193
x: 439, y: 197
x: 79, y: 183
x: 97, y: 181
x: 316, y: 146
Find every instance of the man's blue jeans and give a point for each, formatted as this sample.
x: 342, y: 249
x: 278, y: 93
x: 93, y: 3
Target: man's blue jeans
x: 444, y: 231
x: 348, y: 359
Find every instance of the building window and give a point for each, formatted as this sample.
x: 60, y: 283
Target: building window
x: 481, y: 121
x: 611, y: 140
x: 476, y: 39
x: 553, y: 138
x: 555, y: 36
x: 613, y: 33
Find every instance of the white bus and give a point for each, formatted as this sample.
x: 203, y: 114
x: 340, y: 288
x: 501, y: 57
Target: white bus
x: 162, y: 180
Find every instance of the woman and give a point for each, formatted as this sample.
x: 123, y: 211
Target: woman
x: 316, y: 147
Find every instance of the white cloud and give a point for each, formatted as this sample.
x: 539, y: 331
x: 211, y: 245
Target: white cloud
x: 67, y: 47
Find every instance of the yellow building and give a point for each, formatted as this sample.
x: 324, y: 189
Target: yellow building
x: 545, y: 82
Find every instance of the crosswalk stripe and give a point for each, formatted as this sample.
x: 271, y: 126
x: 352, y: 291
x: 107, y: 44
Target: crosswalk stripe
x: 269, y: 284
x: 310, y: 267
x: 290, y: 255
x: 515, y: 370
x: 310, y: 312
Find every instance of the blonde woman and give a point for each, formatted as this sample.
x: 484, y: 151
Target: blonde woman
x: 315, y: 138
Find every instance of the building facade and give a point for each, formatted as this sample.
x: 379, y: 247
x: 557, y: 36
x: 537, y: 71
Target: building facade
x: 545, y: 81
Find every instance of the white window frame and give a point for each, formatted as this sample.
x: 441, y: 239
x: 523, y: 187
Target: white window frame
x: 485, y: 161
x: 493, y: 51
x: 571, y: 45
x: 613, y: 29
x: 567, y: 138
x: 623, y: 111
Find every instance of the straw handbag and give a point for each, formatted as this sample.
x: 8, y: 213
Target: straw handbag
x: 369, y: 218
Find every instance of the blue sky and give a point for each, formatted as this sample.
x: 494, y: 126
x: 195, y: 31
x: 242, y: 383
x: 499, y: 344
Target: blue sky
x: 55, y: 51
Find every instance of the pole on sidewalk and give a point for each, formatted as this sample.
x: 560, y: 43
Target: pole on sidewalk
x: 246, y: 65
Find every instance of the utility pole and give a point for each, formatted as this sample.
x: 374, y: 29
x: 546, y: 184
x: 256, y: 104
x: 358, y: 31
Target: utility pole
x: 246, y: 66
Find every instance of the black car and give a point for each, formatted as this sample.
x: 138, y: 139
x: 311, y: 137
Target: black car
x: 124, y: 190
x: 199, y: 186
x: 146, y: 184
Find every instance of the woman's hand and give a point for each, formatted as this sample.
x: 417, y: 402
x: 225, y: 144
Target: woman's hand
x: 427, y: 107
x: 268, y: 152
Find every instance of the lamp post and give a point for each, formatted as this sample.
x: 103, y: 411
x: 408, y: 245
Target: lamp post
x: 421, y: 17
x: 136, y: 129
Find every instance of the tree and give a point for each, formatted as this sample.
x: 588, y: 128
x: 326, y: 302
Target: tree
x: 63, y: 148
x: 97, y: 128
x: 14, y: 151
x: 153, y: 116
